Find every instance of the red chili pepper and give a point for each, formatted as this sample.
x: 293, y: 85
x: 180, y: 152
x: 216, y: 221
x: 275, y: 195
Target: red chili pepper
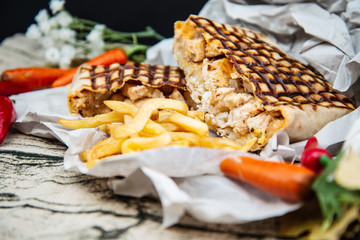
x: 314, y: 157
x: 311, y: 143
x: 7, y: 116
x: 8, y: 88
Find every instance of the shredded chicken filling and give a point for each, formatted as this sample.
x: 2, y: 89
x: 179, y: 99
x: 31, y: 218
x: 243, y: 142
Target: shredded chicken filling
x: 230, y: 109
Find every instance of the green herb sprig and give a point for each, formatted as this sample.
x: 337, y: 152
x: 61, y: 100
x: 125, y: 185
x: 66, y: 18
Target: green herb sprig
x: 331, y: 196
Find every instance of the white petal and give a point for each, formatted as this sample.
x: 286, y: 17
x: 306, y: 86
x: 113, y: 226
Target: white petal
x: 42, y: 16
x: 56, y: 5
x: 68, y: 51
x: 94, y: 36
x: 33, y: 32
x: 52, y: 55
x: 63, y: 19
x: 44, y: 27
x: 67, y: 34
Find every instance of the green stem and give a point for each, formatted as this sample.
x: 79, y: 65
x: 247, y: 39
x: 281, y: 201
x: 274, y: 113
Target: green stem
x: 121, y: 39
x: 137, y: 53
x: 155, y: 34
x: 325, y: 160
x: 80, y: 27
x: 81, y: 24
x: 136, y: 49
x: 85, y: 21
x: 148, y: 33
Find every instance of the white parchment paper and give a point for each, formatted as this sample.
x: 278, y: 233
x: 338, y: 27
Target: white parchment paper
x: 188, y: 180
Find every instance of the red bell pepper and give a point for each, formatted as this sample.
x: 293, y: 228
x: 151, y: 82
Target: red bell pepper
x: 314, y: 157
x: 7, y: 116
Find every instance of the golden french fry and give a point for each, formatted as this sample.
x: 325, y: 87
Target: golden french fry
x: 85, y: 155
x: 164, y: 115
x: 200, y: 115
x: 92, y: 122
x: 107, y: 147
x: 144, y: 113
x: 121, y: 107
x: 183, y: 142
x: 220, y: 143
x: 197, y: 115
x: 191, y: 138
x: 153, y: 135
x: 128, y: 119
x: 104, y: 128
x: 189, y: 124
x: 107, y: 127
x: 153, y: 128
x: 171, y: 127
x: 142, y: 143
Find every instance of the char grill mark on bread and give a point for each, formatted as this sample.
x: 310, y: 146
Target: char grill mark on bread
x: 116, y: 75
x: 126, y: 82
x: 271, y: 71
x: 248, y: 87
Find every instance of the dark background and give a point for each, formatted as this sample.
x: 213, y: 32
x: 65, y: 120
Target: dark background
x: 127, y: 16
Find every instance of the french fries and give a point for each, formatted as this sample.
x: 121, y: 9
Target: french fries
x: 157, y: 123
x: 93, y: 121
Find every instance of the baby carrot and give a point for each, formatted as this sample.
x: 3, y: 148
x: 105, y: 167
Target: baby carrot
x: 109, y: 57
x: 112, y: 56
x: 33, y: 77
x: 288, y: 181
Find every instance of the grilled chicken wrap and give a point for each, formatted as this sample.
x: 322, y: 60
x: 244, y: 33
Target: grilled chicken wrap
x: 248, y: 87
x: 130, y: 82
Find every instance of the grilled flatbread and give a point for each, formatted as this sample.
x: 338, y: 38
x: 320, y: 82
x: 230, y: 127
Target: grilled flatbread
x: 130, y: 82
x: 248, y: 87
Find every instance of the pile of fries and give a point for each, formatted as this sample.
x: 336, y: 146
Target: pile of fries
x: 158, y: 122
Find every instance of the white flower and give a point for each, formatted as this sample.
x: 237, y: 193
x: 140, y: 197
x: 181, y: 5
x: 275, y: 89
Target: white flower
x: 51, y: 39
x: 42, y: 16
x: 33, y: 32
x: 53, y: 22
x: 68, y: 50
x: 96, y: 42
x: 52, y: 55
x: 100, y: 27
x: 62, y: 19
x: 47, y: 42
x: 67, y: 53
x: 44, y: 27
x: 54, y: 34
x: 95, y: 35
x: 67, y: 35
x: 56, y: 5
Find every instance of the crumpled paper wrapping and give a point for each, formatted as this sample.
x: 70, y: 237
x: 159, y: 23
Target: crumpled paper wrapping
x: 188, y: 180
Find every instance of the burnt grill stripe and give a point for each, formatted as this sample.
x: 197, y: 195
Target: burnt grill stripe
x: 142, y: 73
x: 93, y: 77
x: 240, y: 49
x: 107, y: 77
